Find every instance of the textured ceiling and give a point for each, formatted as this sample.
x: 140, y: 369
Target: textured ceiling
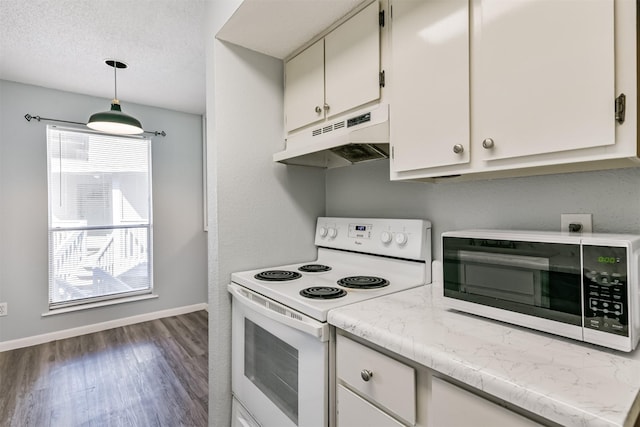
x: 62, y: 44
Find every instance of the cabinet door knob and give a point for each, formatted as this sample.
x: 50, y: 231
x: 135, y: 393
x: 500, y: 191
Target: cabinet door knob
x: 487, y: 143
x: 458, y: 148
x: 366, y: 374
x: 318, y: 109
x: 326, y: 107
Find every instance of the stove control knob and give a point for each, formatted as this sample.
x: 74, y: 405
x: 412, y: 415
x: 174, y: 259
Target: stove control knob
x: 401, y: 239
x: 386, y: 237
x: 332, y: 233
x: 323, y: 231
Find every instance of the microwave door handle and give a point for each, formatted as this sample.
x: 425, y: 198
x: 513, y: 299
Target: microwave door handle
x: 529, y: 262
x: 304, y: 324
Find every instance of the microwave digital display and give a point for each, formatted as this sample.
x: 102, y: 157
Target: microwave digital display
x: 608, y: 260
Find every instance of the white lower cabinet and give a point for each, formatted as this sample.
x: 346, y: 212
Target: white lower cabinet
x: 376, y: 388
x: 354, y: 411
x: 385, y: 388
x: 452, y: 406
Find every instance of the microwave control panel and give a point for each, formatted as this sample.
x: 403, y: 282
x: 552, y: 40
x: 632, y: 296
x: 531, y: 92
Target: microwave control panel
x: 605, y: 300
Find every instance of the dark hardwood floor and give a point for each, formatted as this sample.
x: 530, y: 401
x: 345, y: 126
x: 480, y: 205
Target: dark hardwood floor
x: 149, y: 374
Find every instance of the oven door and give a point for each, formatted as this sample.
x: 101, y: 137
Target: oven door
x: 279, y: 362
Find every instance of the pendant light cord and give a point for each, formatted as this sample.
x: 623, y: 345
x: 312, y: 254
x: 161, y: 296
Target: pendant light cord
x: 115, y: 81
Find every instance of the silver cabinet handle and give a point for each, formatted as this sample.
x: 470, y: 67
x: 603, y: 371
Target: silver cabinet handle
x: 326, y: 107
x: 488, y: 143
x: 366, y: 374
x: 458, y: 148
x: 318, y: 109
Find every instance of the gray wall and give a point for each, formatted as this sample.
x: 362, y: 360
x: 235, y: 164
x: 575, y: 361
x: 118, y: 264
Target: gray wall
x: 261, y: 213
x: 179, y: 248
x: 535, y: 203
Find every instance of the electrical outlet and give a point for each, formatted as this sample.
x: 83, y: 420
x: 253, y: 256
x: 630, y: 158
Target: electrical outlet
x: 3, y: 309
x: 581, y: 221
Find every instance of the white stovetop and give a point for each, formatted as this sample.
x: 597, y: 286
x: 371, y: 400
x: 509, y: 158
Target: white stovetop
x: 401, y: 275
x: 568, y: 382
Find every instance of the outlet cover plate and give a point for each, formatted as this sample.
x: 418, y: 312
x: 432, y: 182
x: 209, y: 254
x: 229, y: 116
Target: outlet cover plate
x: 584, y: 219
x: 3, y: 309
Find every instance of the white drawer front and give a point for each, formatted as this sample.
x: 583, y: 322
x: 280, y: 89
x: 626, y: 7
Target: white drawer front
x: 391, y: 385
x: 354, y: 411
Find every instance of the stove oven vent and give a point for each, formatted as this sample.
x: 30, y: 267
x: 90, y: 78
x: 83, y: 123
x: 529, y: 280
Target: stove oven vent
x: 352, y: 138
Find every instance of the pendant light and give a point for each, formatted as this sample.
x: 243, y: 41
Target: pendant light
x: 114, y: 120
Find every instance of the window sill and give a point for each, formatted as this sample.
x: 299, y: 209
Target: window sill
x: 98, y: 304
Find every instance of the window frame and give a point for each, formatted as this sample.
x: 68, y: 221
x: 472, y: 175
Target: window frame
x: 148, y: 225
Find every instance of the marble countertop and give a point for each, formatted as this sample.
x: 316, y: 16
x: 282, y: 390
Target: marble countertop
x: 565, y: 381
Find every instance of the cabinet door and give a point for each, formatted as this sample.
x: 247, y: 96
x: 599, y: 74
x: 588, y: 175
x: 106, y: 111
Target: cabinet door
x: 429, y: 83
x: 354, y: 411
x: 352, y: 62
x: 452, y: 406
x: 304, y: 87
x: 542, y: 76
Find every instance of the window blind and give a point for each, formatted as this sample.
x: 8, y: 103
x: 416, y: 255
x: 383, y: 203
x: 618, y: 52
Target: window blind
x: 100, y: 226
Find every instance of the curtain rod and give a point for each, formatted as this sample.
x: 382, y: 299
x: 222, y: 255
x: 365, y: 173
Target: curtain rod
x: 38, y: 118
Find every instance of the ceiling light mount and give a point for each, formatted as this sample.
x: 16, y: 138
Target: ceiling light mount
x: 114, y: 120
x: 115, y: 63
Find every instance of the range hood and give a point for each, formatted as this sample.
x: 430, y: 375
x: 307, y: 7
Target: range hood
x: 352, y: 138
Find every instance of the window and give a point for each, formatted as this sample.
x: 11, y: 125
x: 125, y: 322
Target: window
x: 99, y: 216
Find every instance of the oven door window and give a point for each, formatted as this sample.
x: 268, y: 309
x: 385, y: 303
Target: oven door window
x: 272, y: 366
x: 537, y: 279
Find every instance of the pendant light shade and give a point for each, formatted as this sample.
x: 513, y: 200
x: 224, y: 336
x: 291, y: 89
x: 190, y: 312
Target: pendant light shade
x: 114, y: 120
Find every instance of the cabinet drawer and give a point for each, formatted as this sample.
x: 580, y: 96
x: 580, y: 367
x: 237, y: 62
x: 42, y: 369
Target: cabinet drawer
x: 392, y: 384
x: 354, y: 411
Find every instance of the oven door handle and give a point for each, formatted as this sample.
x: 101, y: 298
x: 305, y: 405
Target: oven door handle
x: 278, y: 312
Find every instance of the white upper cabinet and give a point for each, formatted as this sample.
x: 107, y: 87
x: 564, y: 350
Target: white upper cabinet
x: 512, y: 87
x: 304, y: 83
x: 352, y: 62
x: 543, y: 76
x: 338, y: 73
x: 430, y: 83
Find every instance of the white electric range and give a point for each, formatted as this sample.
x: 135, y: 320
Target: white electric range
x: 280, y: 337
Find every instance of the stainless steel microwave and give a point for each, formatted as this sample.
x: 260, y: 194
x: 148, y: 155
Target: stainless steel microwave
x: 580, y: 286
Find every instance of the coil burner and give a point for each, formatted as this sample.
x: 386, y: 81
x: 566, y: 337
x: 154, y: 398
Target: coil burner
x: 363, y: 282
x: 323, y: 292
x: 277, y: 275
x: 314, y: 268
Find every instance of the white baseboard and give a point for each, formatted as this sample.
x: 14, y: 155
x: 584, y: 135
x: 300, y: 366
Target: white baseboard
x: 97, y: 327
